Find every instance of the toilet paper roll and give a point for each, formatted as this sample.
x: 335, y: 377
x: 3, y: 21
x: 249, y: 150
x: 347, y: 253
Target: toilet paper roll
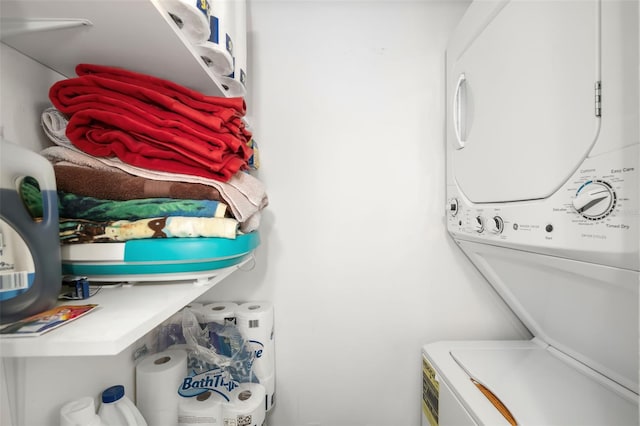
x: 225, y: 11
x: 269, y: 384
x: 232, y: 87
x: 194, y: 305
x: 158, y: 377
x: 191, y: 16
x: 245, y: 406
x: 217, y: 51
x: 219, y: 312
x: 240, y: 43
x: 196, y: 310
x: 221, y: 26
x: 220, y: 62
x: 79, y: 412
x: 201, y: 410
x: 255, y: 320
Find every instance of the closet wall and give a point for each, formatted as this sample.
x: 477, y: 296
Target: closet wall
x: 346, y: 102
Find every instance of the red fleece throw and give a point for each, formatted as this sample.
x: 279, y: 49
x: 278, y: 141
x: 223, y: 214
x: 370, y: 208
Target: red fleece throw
x: 153, y: 123
x: 94, y: 132
x: 77, y: 94
x: 180, y: 93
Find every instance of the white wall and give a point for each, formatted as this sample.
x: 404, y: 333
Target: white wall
x: 346, y: 101
x: 24, y: 90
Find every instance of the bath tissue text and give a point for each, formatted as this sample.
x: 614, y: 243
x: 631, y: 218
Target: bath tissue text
x: 215, y: 380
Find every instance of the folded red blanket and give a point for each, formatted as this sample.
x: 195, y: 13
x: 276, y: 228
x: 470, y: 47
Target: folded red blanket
x: 63, y: 95
x: 183, y: 94
x: 153, y: 123
x: 74, y: 95
x: 107, y: 134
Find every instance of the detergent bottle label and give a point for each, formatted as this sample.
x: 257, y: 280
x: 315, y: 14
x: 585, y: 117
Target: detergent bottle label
x: 17, y: 269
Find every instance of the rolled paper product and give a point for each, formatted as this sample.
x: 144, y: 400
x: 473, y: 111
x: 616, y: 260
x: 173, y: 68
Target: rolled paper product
x: 246, y: 405
x: 194, y: 306
x: 221, y: 28
x: 232, y: 87
x: 220, y: 312
x: 158, y: 377
x: 255, y: 320
x: 240, y: 44
x: 196, y: 309
x: 269, y: 383
x: 219, y: 61
x: 191, y: 16
x: 217, y: 51
x: 204, y: 409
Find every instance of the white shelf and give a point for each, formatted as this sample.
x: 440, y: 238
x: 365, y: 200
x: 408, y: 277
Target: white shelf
x: 124, y: 315
x: 136, y: 34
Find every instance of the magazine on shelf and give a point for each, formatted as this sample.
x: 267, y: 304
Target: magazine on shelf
x: 37, y: 325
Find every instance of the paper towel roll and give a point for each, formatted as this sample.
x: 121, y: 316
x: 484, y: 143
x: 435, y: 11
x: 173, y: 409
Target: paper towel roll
x: 255, y: 320
x: 201, y: 410
x: 158, y: 377
x: 245, y: 406
x: 191, y: 16
x: 219, y: 312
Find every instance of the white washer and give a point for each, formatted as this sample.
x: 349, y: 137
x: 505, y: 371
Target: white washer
x: 542, y: 196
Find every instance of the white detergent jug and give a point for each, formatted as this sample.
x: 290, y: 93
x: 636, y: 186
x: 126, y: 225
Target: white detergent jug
x: 118, y: 410
x: 80, y: 412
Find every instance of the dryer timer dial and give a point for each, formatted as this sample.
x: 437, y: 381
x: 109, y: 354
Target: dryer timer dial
x: 595, y: 200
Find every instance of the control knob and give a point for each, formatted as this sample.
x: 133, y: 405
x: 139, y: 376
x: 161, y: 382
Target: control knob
x: 479, y: 224
x: 594, y: 200
x: 495, y: 225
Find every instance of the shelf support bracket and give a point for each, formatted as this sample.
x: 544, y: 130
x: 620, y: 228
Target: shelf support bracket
x: 16, y: 26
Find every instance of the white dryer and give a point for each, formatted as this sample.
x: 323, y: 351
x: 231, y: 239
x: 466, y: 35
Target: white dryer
x: 542, y: 187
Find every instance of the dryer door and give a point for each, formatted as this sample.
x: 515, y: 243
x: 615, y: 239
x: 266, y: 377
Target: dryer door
x: 521, y: 96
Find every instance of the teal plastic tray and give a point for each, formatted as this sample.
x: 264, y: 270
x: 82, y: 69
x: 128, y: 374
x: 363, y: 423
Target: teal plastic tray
x: 156, y: 257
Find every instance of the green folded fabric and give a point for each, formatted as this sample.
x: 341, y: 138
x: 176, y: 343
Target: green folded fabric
x: 74, y: 206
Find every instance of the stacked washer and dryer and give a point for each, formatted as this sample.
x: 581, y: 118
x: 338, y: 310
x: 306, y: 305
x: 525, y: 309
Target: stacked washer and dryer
x: 542, y: 196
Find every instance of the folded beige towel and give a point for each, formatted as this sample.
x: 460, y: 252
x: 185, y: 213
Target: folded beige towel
x: 243, y: 193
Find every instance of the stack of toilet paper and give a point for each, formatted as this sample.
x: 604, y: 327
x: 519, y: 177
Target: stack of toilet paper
x: 170, y: 392
x: 243, y: 407
x: 255, y: 321
x: 217, y: 30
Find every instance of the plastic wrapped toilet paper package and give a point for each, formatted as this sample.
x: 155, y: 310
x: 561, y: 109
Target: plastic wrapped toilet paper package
x: 212, y: 364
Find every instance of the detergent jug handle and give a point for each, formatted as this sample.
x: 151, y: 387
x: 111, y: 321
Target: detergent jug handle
x: 17, y: 163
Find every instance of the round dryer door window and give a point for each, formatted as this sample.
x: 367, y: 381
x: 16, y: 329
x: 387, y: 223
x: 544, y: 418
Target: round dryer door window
x: 522, y: 111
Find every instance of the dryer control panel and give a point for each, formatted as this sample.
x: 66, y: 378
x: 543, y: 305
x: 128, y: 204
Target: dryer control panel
x: 593, y: 217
